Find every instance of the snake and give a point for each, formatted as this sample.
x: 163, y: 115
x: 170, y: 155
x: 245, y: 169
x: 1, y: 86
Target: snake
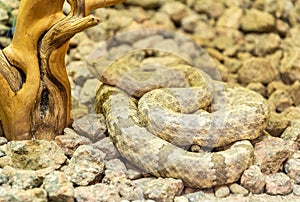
x: 156, y: 112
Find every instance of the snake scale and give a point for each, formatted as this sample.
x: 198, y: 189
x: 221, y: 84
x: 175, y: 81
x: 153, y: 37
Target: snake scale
x: 156, y: 113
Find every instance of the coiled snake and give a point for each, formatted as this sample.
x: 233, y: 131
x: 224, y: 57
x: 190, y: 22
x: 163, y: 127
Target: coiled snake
x: 156, y: 112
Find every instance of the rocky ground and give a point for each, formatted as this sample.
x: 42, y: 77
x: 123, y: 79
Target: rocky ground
x: 252, y: 43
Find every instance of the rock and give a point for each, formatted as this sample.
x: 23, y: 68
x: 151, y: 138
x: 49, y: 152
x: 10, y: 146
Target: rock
x: 91, y: 126
x: 82, y: 73
x: 296, y: 190
x: 3, y: 179
x: 292, y: 133
x: 258, y: 87
x: 280, y: 100
x: 17, y: 195
x: 115, y: 165
x: 86, y: 165
x: 106, y: 146
x: 257, y: 21
x: 290, y: 68
x: 35, y: 154
x: 266, y: 44
x: 98, y: 192
x: 25, y: 179
x: 189, y: 22
x: 257, y: 70
x: 196, y: 196
x: 292, y: 167
x: 160, y: 189
x: 295, y: 93
x: 3, y: 141
x: 213, y: 9
x: 88, y: 92
x: 147, y: 4
x: 176, y: 10
x: 276, y: 85
x: 3, y: 16
x: 133, y: 174
x: 277, y: 123
x: 282, y: 27
x: 292, y: 113
x: 230, y: 18
x: 70, y: 141
x: 253, y: 180
x: 270, y: 153
x: 223, y: 42
x: 58, y: 187
x: 278, y: 183
x: 238, y: 189
x: 222, y: 191
x: 4, y: 41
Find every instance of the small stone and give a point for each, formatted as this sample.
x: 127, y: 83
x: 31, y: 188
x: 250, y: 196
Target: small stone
x: 25, y: 179
x: 289, y: 69
x: 277, y: 123
x: 91, y: 126
x: 270, y: 153
x: 295, y: 92
x: 292, y: 167
x: 282, y: 27
x: 32, y: 195
x: 213, y: 9
x: 107, y: 146
x: 222, y: 191
x: 176, y: 10
x: 280, y: 100
x: 98, y: 192
x: 189, y: 22
x: 266, y: 44
x: 35, y: 154
x: 253, y: 180
x: 3, y: 141
x: 86, y: 166
x: 259, y: 88
x: 115, y: 165
x: 296, y: 189
x: 58, y: 187
x: 70, y: 141
x: 292, y: 133
x: 276, y: 85
x: 82, y: 74
x: 160, y: 189
x: 3, y: 179
x: 133, y: 174
x: 257, y: 21
x: 230, y: 18
x: 257, y: 70
x: 147, y: 4
x: 88, y: 91
x: 238, y: 189
x: 278, y: 183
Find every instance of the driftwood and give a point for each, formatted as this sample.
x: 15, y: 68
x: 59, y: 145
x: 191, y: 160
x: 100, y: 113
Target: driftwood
x: 35, y: 95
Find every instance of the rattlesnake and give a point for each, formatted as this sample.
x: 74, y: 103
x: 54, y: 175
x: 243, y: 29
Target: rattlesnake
x: 155, y: 112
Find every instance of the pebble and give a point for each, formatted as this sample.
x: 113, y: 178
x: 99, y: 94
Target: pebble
x: 106, y: 145
x: 230, y: 18
x: 160, y: 189
x: 58, y: 187
x: 292, y: 133
x: 253, y: 180
x: 257, y: 21
x: 70, y: 141
x: 270, y: 153
x: 238, y: 189
x: 277, y: 123
x: 278, y: 183
x: 292, y: 167
x: 91, y: 126
x: 257, y: 70
x: 222, y: 191
x: 97, y: 192
x: 88, y: 91
x: 86, y: 165
x: 296, y: 189
x: 280, y: 100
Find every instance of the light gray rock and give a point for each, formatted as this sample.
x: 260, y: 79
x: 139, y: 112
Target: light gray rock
x: 98, y: 192
x: 257, y: 70
x: 88, y: 91
x: 115, y: 165
x: 106, y: 146
x: 17, y: 195
x: 296, y: 189
x: 278, y: 183
x: 3, y: 179
x: 253, y: 180
x: 257, y: 21
x: 91, y: 126
x: 238, y: 189
x: 86, y: 166
x: 270, y: 153
x: 292, y: 167
x: 160, y: 189
x: 222, y: 191
x: 58, y: 187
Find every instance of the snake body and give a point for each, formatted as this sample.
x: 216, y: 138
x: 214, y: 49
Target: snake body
x: 153, y: 117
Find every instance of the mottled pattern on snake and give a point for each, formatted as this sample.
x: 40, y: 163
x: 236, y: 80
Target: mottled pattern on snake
x: 187, y: 108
